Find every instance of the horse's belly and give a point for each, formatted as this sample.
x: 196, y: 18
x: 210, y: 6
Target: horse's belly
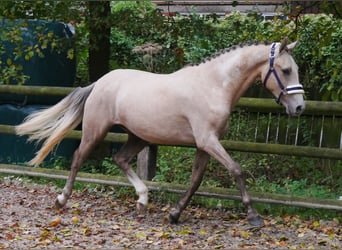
x: 171, y: 131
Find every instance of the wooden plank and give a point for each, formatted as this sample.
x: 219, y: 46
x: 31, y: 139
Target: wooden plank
x: 221, y: 193
x: 214, y: 3
x: 271, y: 148
x: 254, y: 147
x: 35, y: 90
x: 74, y: 134
x: 251, y: 104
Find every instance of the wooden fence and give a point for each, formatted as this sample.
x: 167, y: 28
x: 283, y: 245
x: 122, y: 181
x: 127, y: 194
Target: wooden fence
x: 331, y: 111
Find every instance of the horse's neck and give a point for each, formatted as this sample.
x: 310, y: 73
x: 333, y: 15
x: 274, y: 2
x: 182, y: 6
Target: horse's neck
x: 237, y: 70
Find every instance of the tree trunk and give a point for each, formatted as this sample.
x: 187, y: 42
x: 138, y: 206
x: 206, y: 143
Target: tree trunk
x: 99, y: 43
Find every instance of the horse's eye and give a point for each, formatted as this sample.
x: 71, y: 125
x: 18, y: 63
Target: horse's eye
x: 286, y: 71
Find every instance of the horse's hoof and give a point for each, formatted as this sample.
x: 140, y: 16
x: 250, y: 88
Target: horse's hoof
x: 58, y: 205
x: 141, y: 208
x: 256, y: 221
x: 174, y: 216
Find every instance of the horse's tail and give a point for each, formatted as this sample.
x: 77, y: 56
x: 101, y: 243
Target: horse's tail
x: 54, y: 123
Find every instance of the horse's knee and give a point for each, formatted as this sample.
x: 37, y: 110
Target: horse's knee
x: 236, y: 170
x: 121, y: 162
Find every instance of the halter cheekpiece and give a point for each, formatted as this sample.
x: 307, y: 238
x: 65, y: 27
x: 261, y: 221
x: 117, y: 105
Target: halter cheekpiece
x: 289, y: 90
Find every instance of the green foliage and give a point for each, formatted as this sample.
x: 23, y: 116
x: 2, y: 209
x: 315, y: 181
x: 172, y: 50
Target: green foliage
x: 23, y: 41
x: 60, y: 10
x: 16, y: 18
x: 184, y: 40
x: 319, y: 54
x: 187, y: 40
x: 174, y: 164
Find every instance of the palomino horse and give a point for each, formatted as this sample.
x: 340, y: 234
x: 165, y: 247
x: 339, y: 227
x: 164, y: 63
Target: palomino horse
x: 188, y: 107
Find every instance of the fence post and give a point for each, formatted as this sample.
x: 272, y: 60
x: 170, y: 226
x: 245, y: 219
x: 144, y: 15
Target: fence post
x: 146, y: 162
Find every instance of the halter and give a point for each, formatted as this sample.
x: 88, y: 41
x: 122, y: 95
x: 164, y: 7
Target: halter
x: 289, y: 90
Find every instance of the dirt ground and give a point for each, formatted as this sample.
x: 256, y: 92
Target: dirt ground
x: 97, y: 220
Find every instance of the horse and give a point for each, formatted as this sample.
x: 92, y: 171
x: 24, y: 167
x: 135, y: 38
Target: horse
x: 190, y: 106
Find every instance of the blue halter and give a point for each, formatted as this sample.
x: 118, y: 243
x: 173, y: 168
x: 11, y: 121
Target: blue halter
x: 289, y: 90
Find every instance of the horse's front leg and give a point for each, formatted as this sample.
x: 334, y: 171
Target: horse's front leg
x: 198, y: 169
x: 215, y: 149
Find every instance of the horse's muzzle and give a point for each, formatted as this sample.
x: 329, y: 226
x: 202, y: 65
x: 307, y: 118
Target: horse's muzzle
x: 299, y: 110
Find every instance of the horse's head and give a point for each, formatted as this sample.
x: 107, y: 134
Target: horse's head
x: 280, y: 76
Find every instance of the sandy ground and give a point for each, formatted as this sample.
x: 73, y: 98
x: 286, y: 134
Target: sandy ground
x: 98, y: 220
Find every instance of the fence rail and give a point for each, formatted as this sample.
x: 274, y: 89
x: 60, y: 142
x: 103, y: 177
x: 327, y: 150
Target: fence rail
x: 253, y: 147
x: 221, y: 193
x: 250, y: 104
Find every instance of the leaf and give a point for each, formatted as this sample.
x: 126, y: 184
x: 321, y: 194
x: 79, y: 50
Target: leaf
x: 300, y: 235
x: 74, y: 220
x: 9, y: 61
x: 56, y: 239
x: 75, y: 205
x: 244, y: 234
x: 87, y: 231
x: 45, y: 234
x: 140, y: 235
x: 65, y: 230
x: 315, y: 223
x: 9, y: 236
x: 55, y: 222
x: 71, y: 54
x: 322, y: 243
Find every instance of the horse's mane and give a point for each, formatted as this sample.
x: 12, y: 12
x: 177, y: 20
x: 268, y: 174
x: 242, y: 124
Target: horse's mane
x: 227, y: 50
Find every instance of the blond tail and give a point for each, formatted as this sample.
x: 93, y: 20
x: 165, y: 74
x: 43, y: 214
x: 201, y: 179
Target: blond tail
x: 54, y: 123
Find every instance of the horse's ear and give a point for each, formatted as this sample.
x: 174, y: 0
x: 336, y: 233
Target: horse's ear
x: 283, y: 44
x: 291, y: 46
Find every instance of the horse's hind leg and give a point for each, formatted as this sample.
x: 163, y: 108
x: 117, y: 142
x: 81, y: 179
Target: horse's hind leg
x: 123, y: 158
x: 198, y: 169
x: 90, y: 138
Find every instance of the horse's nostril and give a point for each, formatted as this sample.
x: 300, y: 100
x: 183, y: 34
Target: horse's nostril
x: 299, y: 109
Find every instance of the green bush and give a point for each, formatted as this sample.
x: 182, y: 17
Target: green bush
x: 190, y: 39
x: 184, y: 40
x: 319, y: 55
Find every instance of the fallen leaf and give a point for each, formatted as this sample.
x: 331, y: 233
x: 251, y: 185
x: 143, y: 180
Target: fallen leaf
x: 75, y: 205
x: 244, y: 234
x: 87, y: 231
x: 140, y: 235
x: 55, y: 222
x: 74, y: 220
x: 315, y: 224
x: 300, y: 235
x: 9, y: 236
x: 322, y: 243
